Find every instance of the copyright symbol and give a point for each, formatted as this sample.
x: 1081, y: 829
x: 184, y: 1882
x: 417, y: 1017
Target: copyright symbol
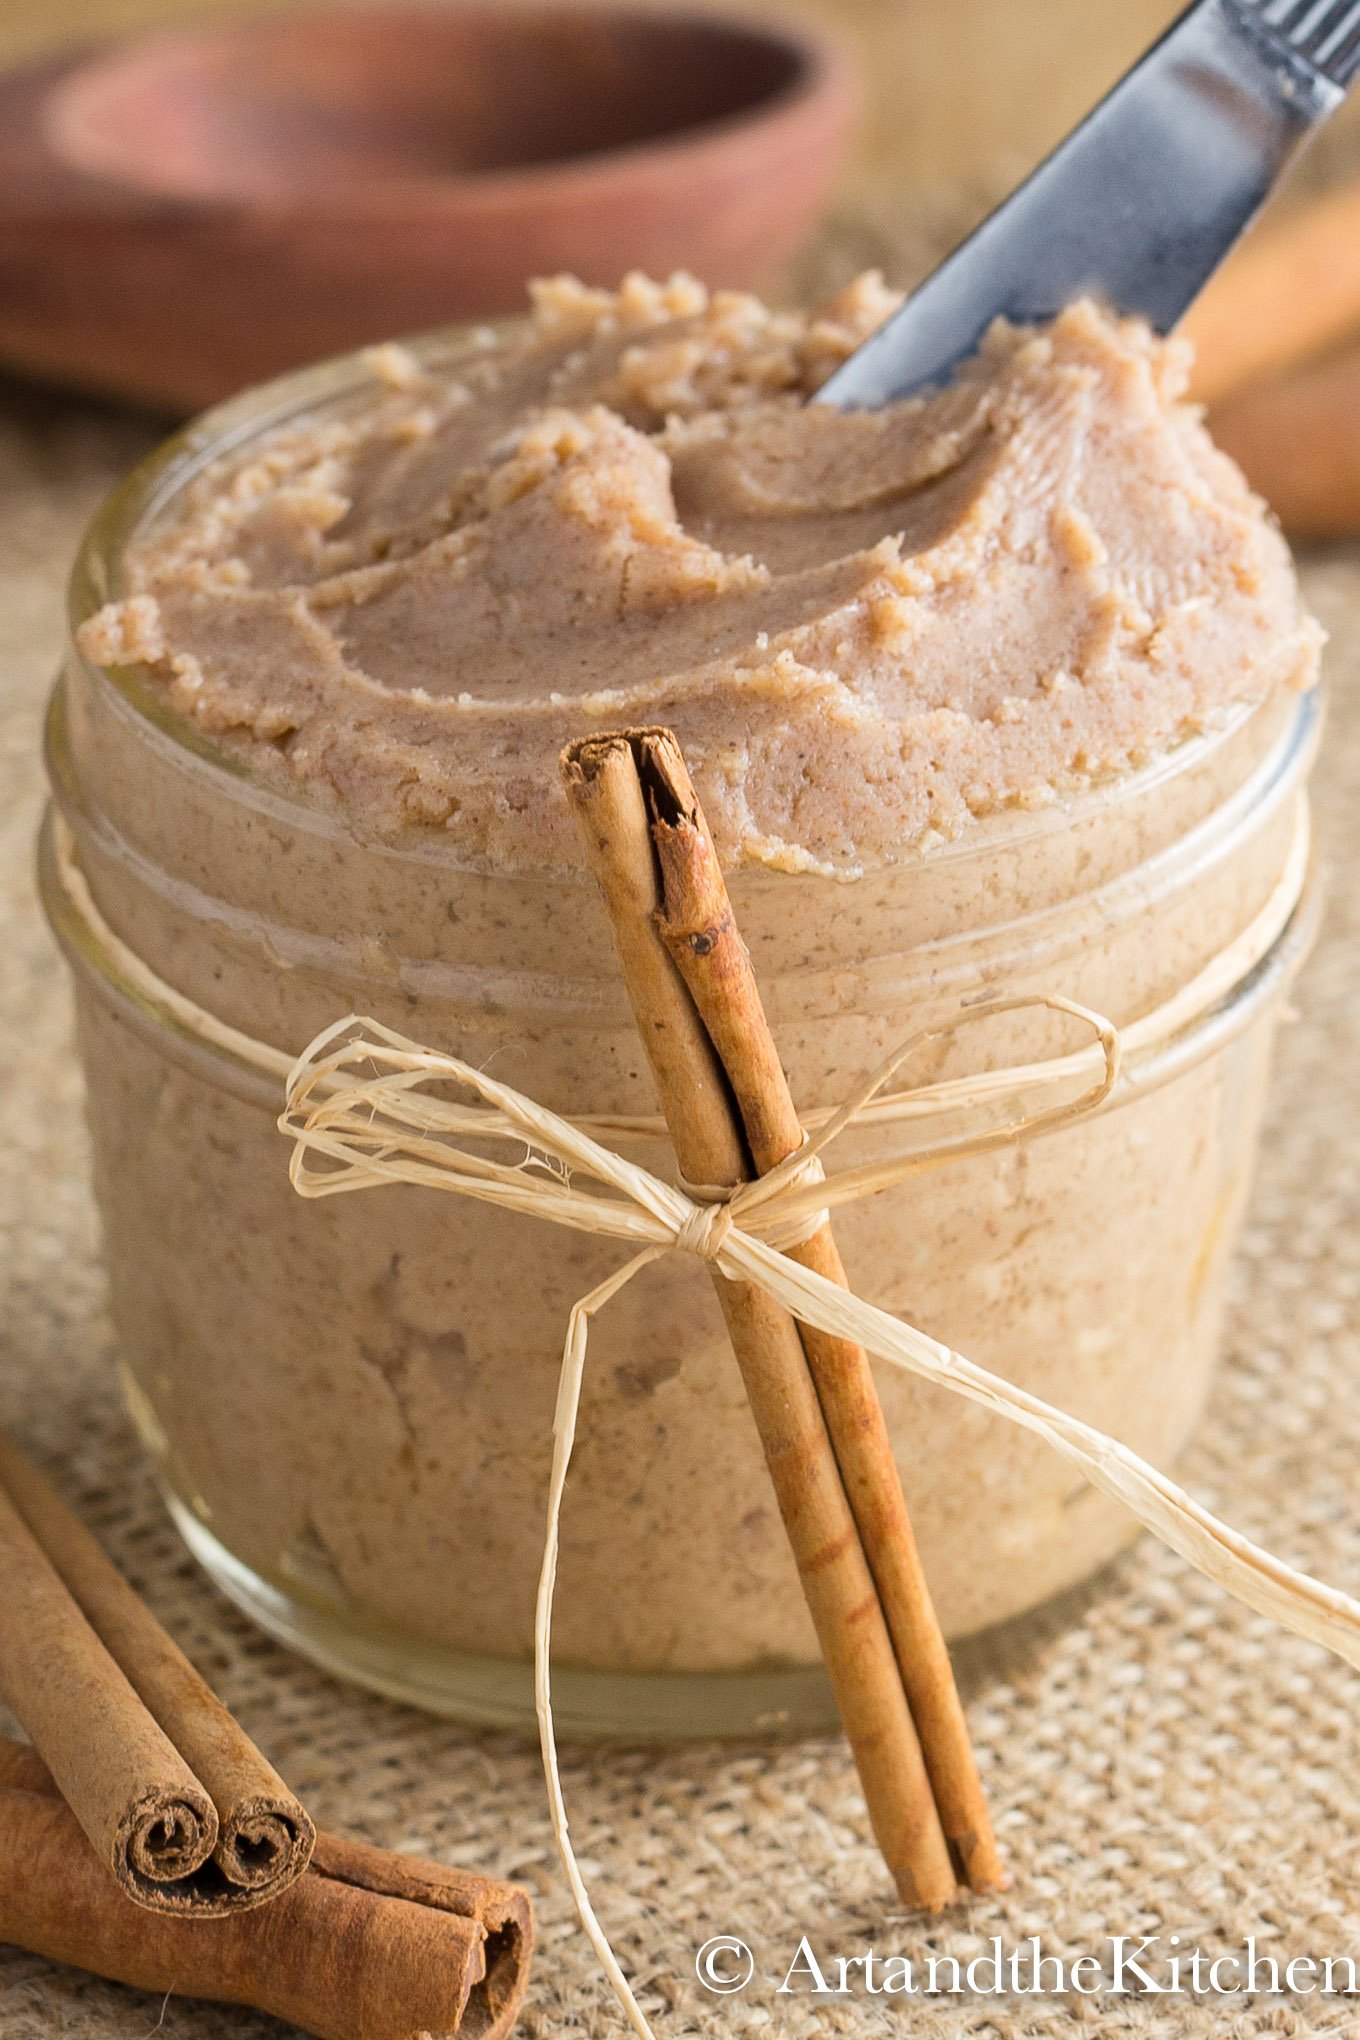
x: 724, y: 1964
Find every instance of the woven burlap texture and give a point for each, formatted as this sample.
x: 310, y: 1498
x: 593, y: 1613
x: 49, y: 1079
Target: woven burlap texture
x: 1159, y: 1762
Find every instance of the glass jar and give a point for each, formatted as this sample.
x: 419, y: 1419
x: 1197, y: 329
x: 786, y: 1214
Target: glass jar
x: 349, y: 1403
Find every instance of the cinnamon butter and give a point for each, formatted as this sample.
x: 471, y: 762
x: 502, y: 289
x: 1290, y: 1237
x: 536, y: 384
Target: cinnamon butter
x: 868, y: 628
x: 1003, y: 690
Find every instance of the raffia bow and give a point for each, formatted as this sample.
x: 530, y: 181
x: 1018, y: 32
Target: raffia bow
x: 362, y: 1112
x: 368, y: 1107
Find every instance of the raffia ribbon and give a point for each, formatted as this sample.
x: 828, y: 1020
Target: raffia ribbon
x: 360, y: 1114
x: 364, y: 1108
x: 367, y: 1107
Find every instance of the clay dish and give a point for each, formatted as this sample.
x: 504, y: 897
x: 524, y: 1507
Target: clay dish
x: 204, y: 208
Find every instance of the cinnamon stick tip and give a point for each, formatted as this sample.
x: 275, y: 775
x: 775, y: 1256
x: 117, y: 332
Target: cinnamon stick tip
x: 657, y: 759
x: 163, y: 1837
x: 265, y: 1844
x: 586, y: 757
x: 927, y: 1902
x: 978, y: 1866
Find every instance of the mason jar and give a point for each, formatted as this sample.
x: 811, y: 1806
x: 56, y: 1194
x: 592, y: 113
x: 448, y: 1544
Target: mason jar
x: 349, y: 1402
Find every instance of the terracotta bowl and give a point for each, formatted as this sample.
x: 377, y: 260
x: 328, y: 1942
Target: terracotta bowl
x: 203, y: 209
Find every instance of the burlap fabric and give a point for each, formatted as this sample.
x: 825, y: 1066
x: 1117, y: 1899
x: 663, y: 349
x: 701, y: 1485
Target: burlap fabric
x: 1159, y: 1762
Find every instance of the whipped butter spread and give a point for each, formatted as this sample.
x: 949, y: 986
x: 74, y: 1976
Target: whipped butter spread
x: 881, y: 638
x: 867, y: 628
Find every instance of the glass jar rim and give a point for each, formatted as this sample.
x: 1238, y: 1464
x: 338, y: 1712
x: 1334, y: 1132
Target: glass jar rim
x: 228, y: 426
x: 1224, y: 1018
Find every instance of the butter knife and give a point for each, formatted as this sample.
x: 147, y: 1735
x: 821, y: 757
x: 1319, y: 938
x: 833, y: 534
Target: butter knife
x: 1142, y: 202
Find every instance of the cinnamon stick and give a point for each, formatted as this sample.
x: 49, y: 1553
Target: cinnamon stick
x: 699, y: 930
x: 605, y: 790
x: 177, y: 1800
x: 1297, y: 440
x: 366, y: 1945
x: 1290, y: 291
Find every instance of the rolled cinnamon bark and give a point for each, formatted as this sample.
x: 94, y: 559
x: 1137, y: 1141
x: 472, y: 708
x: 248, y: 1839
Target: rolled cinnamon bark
x: 1289, y: 292
x: 1297, y: 440
x: 220, y: 1829
x: 699, y: 930
x: 606, y: 794
x: 147, y: 1816
x: 366, y: 1945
